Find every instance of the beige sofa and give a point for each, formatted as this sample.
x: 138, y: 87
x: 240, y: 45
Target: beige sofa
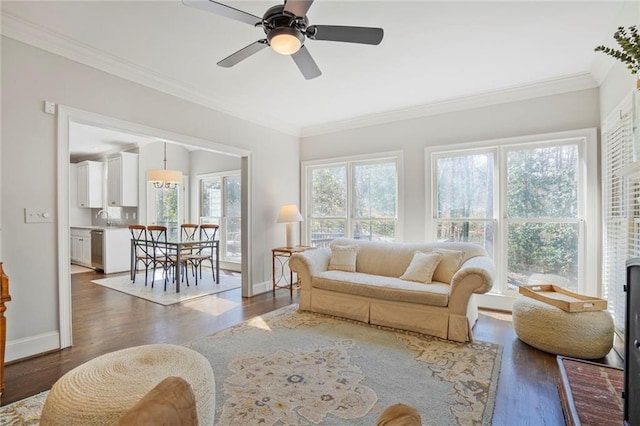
x: 375, y: 294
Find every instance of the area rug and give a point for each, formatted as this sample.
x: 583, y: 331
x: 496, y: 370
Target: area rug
x: 24, y: 412
x: 301, y: 368
x: 205, y: 287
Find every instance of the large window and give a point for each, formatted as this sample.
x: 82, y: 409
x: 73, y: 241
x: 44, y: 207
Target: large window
x: 526, y: 203
x: 220, y: 204
x: 165, y: 208
x: 355, y: 198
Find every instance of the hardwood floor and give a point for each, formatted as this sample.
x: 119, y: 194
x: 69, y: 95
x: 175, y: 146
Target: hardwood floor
x: 105, y: 320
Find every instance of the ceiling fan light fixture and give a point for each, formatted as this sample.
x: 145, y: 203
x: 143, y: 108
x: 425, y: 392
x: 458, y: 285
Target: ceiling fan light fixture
x: 285, y: 40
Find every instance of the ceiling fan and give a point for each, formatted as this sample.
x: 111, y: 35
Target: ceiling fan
x: 287, y: 27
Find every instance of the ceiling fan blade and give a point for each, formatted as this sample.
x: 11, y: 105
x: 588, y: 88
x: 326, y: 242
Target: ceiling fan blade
x: 297, y: 7
x: 363, y: 35
x: 223, y: 10
x: 306, y: 64
x: 243, y: 53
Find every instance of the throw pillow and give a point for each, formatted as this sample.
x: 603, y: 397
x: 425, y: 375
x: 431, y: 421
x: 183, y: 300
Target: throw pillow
x: 343, y: 258
x: 448, y: 266
x: 421, y: 267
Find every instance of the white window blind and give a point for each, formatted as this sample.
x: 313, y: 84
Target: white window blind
x: 621, y: 210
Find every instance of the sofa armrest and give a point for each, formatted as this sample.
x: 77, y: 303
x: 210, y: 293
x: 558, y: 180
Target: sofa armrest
x: 476, y: 275
x: 309, y: 263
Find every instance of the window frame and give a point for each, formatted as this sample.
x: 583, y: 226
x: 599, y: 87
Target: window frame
x: 306, y: 166
x: 181, y: 189
x: 588, y: 204
x: 222, y: 220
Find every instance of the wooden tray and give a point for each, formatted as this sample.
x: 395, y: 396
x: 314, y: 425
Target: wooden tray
x: 563, y: 299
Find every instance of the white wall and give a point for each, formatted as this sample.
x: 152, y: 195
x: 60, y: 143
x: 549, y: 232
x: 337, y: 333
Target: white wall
x: 29, y: 179
x: 570, y: 111
x: 203, y: 162
x: 619, y: 82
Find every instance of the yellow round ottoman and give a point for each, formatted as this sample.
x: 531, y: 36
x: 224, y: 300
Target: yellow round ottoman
x: 100, y: 391
x: 587, y: 335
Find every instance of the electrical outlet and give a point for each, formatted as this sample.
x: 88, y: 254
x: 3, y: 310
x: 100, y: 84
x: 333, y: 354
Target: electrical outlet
x: 33, y: 215
x: 49, y: 107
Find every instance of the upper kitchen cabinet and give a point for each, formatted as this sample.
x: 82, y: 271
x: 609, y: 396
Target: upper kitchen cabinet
x: 122, y: 180
x: 90, y: 178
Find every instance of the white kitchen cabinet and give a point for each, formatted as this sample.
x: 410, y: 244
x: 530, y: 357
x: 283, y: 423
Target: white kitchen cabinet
x: 80, y: 246
x: 90, y: 182
x: 122, y: 180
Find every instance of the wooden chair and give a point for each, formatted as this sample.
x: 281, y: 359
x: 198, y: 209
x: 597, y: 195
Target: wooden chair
x: 162, y: 254
x: 141, y: 251
x: 206, y: 252
x: 189, y: 232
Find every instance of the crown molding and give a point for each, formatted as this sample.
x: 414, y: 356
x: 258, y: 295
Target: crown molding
x: 27, y: 32
x: 550, y: 87
x: 24, y: 31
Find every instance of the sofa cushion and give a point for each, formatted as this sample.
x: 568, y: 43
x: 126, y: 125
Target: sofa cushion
x: 386, y: 288
x: 421, y: 267
x: 448, y: 266
x: 391, y: 259
x: 343, y: 258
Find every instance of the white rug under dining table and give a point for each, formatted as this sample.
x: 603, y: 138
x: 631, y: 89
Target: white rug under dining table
x: 157, y: 294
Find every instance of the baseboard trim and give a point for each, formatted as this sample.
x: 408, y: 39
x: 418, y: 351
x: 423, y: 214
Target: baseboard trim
x: 33, y: 345
x: 496, y: 302
x: 262, y: 287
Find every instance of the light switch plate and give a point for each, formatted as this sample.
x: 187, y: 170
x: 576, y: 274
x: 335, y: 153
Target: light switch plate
x: 35, y: 215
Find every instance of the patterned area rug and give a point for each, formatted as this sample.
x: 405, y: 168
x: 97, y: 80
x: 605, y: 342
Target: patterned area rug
x: 300, y: 368
x: 205, y: 287
x: 24, y: 412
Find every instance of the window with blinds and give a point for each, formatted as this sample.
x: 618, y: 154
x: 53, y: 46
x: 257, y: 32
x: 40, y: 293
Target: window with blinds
x: 621, y: 197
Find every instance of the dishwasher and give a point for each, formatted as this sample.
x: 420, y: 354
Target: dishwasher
x: 96, y: 249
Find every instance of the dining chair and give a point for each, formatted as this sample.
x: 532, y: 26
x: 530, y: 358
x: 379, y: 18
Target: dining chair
x: 141, y: 251
x: 162, y: 254
x: 205, y: 252
x: 188, y: 232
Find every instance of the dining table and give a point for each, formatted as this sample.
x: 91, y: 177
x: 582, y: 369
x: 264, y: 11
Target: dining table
x: 177, y: 247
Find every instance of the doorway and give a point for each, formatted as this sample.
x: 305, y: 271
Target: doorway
x: 66, y: 118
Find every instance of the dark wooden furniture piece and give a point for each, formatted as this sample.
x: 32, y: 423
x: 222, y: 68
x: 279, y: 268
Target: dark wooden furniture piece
x: 281, y: 255
x: 590, y: 393
x: 4, y: 298
x: 632, y: 344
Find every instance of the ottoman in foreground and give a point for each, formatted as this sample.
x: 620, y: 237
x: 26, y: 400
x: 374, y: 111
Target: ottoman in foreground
x: 586, y: 334
x: 100, y: 391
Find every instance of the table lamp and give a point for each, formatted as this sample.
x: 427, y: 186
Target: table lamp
x: 289, y: 214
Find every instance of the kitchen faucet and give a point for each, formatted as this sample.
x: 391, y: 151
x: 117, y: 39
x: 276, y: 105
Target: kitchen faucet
x: 101, y: 212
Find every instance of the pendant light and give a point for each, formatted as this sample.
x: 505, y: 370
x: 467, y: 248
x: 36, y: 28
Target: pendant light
x: 163, y: 178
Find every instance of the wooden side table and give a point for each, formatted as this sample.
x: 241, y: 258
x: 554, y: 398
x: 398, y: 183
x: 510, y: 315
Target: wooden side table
x: 281, y: 255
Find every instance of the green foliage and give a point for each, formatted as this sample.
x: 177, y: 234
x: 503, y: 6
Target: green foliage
x: 329, y: 188
x: 630, y: 45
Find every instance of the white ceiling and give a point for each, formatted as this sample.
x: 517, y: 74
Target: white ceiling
x: 432, y: 52
x: 89, y: 142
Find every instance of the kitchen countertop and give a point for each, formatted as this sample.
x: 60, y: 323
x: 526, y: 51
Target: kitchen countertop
x: 104, y: 228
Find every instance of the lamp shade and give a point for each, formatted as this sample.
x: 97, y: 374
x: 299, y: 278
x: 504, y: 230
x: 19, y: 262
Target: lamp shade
x: 289, y: 213
x: 164, y: 176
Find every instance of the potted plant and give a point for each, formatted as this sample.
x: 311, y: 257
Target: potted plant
x: 629, y: 54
